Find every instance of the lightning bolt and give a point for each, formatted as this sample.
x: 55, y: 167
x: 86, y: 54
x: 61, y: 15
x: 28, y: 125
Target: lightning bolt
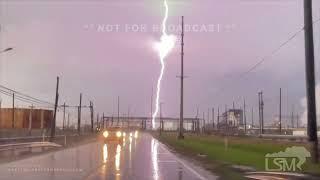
x: 163, y: 48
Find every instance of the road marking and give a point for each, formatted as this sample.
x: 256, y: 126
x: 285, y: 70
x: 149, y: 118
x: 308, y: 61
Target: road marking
x: 184, y: 164
x: 167, y: 161
x: 261, y: 177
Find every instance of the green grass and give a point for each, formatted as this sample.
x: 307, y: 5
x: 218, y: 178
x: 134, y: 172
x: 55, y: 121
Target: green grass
x: 239, y: 151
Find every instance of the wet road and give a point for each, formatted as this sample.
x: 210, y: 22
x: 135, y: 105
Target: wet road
x: 137, y: 158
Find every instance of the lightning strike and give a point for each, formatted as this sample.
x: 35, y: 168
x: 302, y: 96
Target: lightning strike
x: 163, y: 48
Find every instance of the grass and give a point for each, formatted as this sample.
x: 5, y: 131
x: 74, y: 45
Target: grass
x: 222, y: 151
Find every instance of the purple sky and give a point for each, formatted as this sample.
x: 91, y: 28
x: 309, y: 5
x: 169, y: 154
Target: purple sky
x: 65, y: 38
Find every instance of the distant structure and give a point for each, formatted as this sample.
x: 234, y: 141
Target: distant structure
x: 232, y: 118
x: 25, y: 118
x: 275, y: 124
x: 169, y: 123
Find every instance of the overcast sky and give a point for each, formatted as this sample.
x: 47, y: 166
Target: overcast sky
x: 103, y: 48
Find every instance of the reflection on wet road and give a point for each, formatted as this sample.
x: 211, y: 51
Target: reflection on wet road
x: 154, y: 148
x: 139, y: 157
x: 105, y: 153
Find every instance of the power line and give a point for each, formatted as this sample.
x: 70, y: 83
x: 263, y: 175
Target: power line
x: 18, y: 97
x: 24, y: 100
x: 72, y: 106
x: 275, y: 51
x: 24, y: 96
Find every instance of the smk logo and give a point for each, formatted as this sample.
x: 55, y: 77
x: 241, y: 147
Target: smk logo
x: 291, y: 159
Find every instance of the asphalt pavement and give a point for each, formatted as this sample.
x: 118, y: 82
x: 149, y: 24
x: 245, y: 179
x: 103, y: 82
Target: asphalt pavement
x: 137, y: 158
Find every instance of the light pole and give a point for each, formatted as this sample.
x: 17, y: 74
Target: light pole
x: 118, y: 111
x: 161, y: 123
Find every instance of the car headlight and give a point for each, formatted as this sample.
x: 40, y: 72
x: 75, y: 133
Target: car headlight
x: 105, y: 134
x: 118, y: 134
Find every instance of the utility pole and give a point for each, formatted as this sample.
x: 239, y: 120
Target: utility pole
x: 280, y: 112
x: 151, y: 107
x: 204, y: 122
x: 68, y: 121
x: 244, y: 116
x: 252, y: 124
x: 128, y: 121
x: 160, y: 124
x: 98, y: 122
x: 213, y: 118
x: 13, y: 110
x: 218, y: 119
x: 111, y: 120
x: 197, y: 123
x: 91, y: 113
x: 234, y: 121
x: 292, y: 117
x: 30, y: 119
x: 260, y: 122
x: 208, y: 116
x: 310, y: 80
x: 261, y: 104
x: 107, y: 122
x: 226, y: 114
x: 118, y: 111
x: 180, y: 136
x: 102, y: 118
x: 262, y: 116
x: 53, y: 122
x: 64, y: 115
x: 79, y: 113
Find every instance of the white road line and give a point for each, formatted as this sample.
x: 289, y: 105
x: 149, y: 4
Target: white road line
x: 167, y: 162
x: 184, y: 164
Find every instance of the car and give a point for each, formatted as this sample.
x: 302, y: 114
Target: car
x: 113, y: 134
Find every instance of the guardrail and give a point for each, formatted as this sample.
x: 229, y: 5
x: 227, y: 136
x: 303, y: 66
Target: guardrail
x: 278, y: 175
x: 15, y: 146
x: 60, y: 139
x: 27, y: 138
x: 34, y: 138
x: 283, y: 136
x: 293, y: 138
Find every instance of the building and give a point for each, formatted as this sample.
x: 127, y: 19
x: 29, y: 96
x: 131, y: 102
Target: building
x: 25, y: 118
x: 232, y: 118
